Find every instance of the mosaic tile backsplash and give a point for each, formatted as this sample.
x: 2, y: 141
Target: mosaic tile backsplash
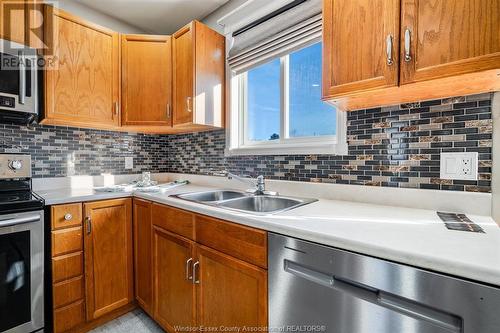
x: 396, y: 146
x: 65, y: 151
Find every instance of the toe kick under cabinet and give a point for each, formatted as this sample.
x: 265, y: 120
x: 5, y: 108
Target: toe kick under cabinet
x: 214, y: 272
x: 91, y: 256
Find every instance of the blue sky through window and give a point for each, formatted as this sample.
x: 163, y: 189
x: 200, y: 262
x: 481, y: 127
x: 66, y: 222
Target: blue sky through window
x: 308, y: 115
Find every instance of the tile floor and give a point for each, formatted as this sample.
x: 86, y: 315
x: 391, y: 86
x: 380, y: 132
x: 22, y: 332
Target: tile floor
x: 133, y: 322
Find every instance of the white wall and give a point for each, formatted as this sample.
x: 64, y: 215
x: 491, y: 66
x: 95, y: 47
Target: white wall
x: 496, y: 158
x: 97, y: 17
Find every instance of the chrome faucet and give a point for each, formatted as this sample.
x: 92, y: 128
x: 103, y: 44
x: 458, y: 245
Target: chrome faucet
x: 258, y: 184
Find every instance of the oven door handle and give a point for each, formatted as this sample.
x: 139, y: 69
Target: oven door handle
x: 22, y: 78
x: 19, y: 220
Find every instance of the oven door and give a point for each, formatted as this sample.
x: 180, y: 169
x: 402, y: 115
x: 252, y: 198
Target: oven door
x: 18, y: 78
x: 21, y: 272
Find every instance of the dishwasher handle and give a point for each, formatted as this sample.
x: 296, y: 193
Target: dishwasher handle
x: 375, y: 296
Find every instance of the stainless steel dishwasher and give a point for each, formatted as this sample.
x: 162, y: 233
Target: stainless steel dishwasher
x: 315, y: 288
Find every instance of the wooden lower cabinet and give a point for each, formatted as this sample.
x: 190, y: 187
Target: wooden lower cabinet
x: 231, y: 293
x: 108, y: 256
x: 174, y: 294
x: 143, y: 279
x: 199, y: 286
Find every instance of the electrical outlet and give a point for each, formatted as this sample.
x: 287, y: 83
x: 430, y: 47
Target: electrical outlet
x: 460, y: 166
x: 129, y: 162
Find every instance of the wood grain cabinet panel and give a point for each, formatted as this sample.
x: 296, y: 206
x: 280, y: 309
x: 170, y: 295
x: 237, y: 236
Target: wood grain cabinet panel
x: 21, y: 22
x: 108, y: 256
x: 448, y: 38
x: 69, y: 317
x: 178, y: 221
x: 174, y: 294
x: 355, y: 37
x: 245, y: 243
x: 198, y: 77
x: 67, y: 266
x: 66, y: 241
x: 230, y: 292
x: 66, y: 216
x: 146, y: 80
x: 142, y: 254
x: 68, y: 291
x: 82, y: 86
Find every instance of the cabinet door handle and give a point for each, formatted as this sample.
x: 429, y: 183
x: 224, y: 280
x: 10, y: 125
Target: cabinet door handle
x: 89, y: 224
x: 188, y: 265
x: 188, y: 104
x: 388, y: 50
x: 116, y: 109
x: 68, y: 217
x: 407, y: 45
x: 169, y: 111
x: 195, y: 270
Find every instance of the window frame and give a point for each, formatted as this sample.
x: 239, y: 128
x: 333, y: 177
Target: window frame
x: 237, y: 138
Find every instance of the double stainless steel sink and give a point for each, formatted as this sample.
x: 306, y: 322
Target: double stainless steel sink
x: 245, y: 202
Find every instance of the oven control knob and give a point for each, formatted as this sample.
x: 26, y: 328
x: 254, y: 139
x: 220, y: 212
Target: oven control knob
x: 15, y: 165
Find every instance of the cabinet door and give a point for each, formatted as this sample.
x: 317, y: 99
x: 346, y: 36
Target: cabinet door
x: 357, y: 35
x: 449, y: 37
x: 82, y: 86
x: 146, y: 80
x: 13, y: 20
x: 183, y: 75
x: 142, y: 254
x: 174, y: 294
x: 108, y: 256
x: 230, y: 292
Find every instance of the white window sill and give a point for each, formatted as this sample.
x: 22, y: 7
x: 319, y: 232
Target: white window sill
x: 289, y: 149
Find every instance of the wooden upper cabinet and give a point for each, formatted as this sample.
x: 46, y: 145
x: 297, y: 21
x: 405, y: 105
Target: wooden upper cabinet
x: 198, y: 77
x: 360, y: 45
x: 146, y: 80
x: 183, y: 70
x: 174, y: 294
x: 448, y: 37
x: 230, y: 292
x: 82, y: 87
x: 21, y: 22
x: 142, y: 254
x: 108, y: 256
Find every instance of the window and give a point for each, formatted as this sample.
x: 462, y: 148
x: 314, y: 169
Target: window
x: 277, y: 108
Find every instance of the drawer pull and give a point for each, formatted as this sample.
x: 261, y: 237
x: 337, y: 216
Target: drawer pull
x: 68, y: 217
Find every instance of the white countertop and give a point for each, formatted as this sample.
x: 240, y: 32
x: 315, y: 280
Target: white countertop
x: 415, y: 237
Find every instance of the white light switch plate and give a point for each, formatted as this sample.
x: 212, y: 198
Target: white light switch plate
x: 460, y: 166
x: 129, y: 162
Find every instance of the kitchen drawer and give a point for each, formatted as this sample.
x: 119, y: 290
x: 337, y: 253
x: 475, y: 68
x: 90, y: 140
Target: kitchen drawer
x: 68, y: 292
x: 69, y: 317
x: 174, y: 220
x: 66, y: 216
x: 245, y: 243
x: 67, y: 266
x: 66, y: 241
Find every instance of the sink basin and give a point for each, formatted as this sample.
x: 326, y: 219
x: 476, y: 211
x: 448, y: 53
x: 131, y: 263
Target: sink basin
x: 211, y: 196
x: 264, y: 204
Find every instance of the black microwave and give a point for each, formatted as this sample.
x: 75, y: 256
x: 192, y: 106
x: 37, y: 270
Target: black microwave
x: 19, y: 83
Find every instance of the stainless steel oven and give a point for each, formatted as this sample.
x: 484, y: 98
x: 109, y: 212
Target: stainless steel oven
x: 21, y: 272
x: 19, y: 93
